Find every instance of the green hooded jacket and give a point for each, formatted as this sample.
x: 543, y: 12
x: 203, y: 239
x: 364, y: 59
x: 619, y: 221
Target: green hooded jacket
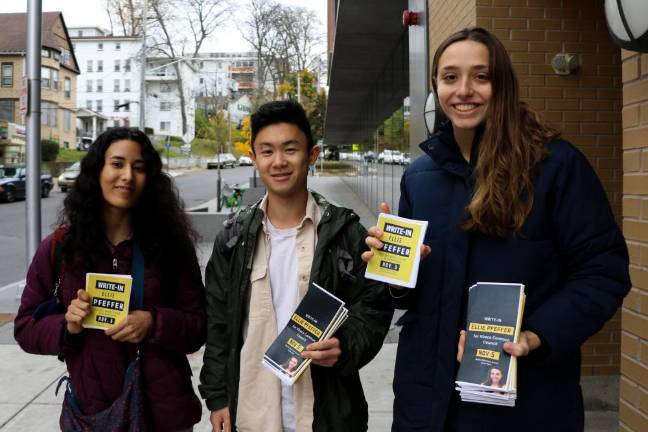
x: 339, y: 404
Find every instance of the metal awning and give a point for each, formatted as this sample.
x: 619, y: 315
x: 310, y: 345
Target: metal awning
x: 369, y: 74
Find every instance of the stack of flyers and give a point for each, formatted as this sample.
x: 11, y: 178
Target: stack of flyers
x: 398, y: 261
x: 317, y: 318
x: 487, y: 373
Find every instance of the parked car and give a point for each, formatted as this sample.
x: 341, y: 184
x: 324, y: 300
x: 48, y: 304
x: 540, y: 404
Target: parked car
x: 331, y: 153
x: 224, y: 160
x: 68, y: 178
x: 83, y: 143
x: 13, y: 183
x: 245, y: 161
x: 370, y: 156
x: 406, y: 159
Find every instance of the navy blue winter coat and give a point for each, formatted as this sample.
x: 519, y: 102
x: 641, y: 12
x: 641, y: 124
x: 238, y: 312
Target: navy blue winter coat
x: 570, y: 255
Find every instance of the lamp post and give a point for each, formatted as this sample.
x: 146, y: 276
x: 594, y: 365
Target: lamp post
x: 628, y: 23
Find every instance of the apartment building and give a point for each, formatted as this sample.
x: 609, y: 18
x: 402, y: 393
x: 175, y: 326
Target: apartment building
x: 109, y: 87
x: 59, y: 73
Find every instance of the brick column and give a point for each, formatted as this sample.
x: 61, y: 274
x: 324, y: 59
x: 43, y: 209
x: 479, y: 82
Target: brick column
x: 633, y: 404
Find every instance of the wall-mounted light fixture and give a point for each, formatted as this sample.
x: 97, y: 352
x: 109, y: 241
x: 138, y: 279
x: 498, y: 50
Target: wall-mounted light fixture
x: 628, y: 23
x: 564, y: 64
x: 432, y: 113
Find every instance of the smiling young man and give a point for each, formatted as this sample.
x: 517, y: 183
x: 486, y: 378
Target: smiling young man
x: 261, y: 266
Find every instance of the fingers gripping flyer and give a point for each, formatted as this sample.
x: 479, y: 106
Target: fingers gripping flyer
x: 398, y: 260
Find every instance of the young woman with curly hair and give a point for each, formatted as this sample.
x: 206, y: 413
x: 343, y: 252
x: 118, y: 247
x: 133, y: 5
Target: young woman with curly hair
x: 122, y: 205
x: 506, y: 200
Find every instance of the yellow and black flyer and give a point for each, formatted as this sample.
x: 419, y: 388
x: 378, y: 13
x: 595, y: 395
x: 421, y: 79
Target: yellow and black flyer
x: 109, y: 299
x: 398, y: 261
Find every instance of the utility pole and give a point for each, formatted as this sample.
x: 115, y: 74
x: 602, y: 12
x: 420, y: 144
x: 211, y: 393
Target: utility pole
x: 33, y: 123
x: 299, y: 87
x: 142, y: 110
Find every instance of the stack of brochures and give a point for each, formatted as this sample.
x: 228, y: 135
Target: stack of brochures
x: 398, y: 261
x: 487, y: 373
x: 316, y: 318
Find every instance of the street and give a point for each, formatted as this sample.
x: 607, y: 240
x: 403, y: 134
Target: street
x: 195, y: 187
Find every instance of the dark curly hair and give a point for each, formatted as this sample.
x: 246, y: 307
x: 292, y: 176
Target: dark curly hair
x: 159, y: 221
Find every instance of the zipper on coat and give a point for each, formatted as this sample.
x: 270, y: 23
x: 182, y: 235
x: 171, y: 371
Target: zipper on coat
x: 114, y: 264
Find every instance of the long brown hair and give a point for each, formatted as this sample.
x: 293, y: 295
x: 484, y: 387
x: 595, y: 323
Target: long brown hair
x: 511, y: 147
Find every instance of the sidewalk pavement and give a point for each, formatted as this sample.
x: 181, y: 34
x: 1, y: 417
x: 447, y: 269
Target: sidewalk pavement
x: 28, y: 402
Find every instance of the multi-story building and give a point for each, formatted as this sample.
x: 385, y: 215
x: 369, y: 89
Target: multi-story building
x: 221, y: 73
x: 109, y: 87
x: 164, y: 102
x: 58, y: 75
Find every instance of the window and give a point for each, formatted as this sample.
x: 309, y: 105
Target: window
x: 165, y: 88
x: 99, y: 105
x: 116, y: 105
x: 65, y: 57
x: 67, y: 121
x: 127, y: 87
x: 165, y: 106
x: 7, y: 109
x: 89, y: 86
x: 49, y: 78
x: 56, y: 55
x: 99, y: 86
x: 202, y: 80
x: 116, y: 86
x: 117, y: 68
x: 49, y: 114
x: 45, y: 53
x: 89, y: 66
x: 7, y: 74
x: 67, y: 88
x: 80, y: 33
x: 99, y: 65
x: 127, y: 105
x: 127, y: 64
x: 100, y: 46
x: 116, y: 123
x: 165, y: 125
x: 89, y: 104
x: 202, y: 65
x: 55, y: 79
x: 117, y: 46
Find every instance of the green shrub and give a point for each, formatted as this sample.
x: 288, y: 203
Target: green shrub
x: 149, y: 131
x: 49, y: 150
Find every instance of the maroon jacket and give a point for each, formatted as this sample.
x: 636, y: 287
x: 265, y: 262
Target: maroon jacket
x: 97, y: 364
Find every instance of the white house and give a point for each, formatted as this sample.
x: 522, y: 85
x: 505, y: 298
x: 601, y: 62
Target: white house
x: 109, y: 83
x: 163, y: 113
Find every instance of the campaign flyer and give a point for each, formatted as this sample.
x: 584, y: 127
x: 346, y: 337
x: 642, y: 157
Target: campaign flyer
x: 487, y: 373
x: 398, y: 261
x: 109, y: 299
x: 316, y: 318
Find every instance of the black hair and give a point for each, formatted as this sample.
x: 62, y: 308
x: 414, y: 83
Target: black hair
x: 284, y: 111
x: 159, y: 222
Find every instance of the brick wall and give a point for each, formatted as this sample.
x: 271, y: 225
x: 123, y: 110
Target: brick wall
x: 445, y: 18
x: 633, y: 406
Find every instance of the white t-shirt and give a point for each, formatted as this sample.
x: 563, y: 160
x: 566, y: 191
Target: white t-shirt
x: 284, y: 282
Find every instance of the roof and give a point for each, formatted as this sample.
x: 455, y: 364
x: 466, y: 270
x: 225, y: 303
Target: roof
x: 13, y: 37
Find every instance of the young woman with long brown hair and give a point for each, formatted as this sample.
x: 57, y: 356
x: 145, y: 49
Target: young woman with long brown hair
x: 506, y: 200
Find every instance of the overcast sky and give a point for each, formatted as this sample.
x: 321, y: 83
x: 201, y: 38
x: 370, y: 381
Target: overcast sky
x: 91, y: 13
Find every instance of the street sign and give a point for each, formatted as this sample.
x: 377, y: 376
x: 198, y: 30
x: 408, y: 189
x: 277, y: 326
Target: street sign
x: 24, y: 95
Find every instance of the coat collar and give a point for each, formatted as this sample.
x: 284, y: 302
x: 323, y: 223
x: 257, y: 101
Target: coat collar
x: 444, y: 151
